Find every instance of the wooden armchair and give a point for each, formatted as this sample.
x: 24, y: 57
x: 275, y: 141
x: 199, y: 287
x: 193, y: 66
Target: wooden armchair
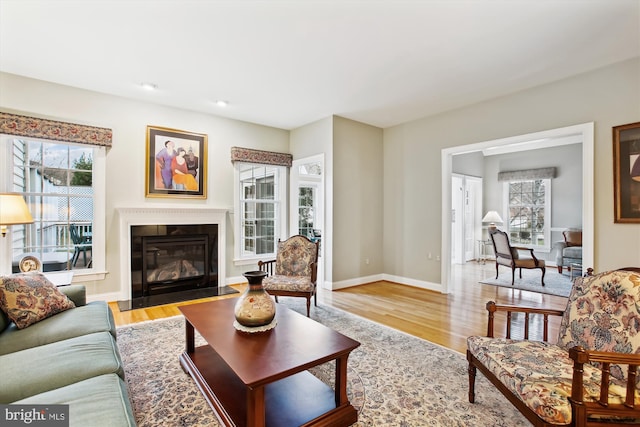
x: 589, y: 377
x: 294, y: 271
x: 509, y: 256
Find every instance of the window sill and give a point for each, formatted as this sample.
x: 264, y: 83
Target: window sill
x: 80, y: 276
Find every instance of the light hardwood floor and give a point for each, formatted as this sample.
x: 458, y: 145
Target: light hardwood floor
x: 445, y: 319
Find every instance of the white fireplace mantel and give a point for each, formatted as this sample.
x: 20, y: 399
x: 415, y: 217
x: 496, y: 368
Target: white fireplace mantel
x: 166, y: 215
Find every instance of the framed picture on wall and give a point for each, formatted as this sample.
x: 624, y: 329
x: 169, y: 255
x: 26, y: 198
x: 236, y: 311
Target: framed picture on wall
x: 626, y: 173
x: 176, y: 164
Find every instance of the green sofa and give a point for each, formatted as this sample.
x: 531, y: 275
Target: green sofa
x: 69, y: 358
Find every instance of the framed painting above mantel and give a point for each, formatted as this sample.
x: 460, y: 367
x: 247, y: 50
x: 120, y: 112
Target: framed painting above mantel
x: 626, y: 173
x: 176, y: 163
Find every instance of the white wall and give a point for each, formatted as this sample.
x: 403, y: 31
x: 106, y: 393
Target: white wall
x: 125, y: 161
x: 412, y: 186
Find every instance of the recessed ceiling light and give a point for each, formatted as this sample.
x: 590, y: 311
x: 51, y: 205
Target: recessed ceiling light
x: 149, y: 86
x: 222, y: 103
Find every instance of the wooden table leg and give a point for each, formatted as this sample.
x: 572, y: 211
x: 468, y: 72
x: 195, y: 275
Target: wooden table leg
x: 189, y: 338
x: 255, y: 407
x: 341, y: 380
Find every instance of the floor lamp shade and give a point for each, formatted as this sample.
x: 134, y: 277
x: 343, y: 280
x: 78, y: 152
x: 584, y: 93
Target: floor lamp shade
x: 492, y: 217
x: 13, y: 210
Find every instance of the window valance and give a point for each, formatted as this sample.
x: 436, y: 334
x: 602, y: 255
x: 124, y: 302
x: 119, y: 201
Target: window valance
x: 15, y: 124
x: 239, y: 154
x: 528, y: 174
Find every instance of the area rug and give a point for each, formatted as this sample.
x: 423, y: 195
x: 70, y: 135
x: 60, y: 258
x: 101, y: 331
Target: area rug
x: 394, y: 379
x: 554, y: 283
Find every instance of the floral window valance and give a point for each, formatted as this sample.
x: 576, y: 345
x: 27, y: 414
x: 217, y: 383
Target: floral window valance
x: 527, y: 175
x: 14, y: 124
x: 239, y: 154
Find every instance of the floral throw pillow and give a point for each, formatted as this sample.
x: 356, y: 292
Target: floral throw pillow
x: 28, y: 298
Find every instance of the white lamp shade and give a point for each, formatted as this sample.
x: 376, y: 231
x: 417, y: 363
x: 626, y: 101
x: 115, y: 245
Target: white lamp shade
x: 492, y: 217
x: 14, y: 210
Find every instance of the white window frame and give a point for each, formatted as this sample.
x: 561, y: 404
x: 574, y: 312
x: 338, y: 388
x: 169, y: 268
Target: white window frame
x: 98, y: 264
x: 280, y: 202
x: 547, y: 214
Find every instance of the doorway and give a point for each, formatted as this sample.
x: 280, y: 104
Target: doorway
x: 306, y: 204
x: 466, y: 214
x: 582, y: 133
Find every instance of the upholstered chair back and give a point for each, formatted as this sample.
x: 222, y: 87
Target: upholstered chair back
x: 572, y: 237
x: 603, y: 314
x: 503, y: 248
x: 295, y: 256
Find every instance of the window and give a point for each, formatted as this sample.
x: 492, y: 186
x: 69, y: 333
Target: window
x: 60, y: 182
x: 260, y: 209
x: 529, y: 206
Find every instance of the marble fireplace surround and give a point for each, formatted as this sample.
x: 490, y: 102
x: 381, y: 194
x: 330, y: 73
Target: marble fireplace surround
x: 166, y: 215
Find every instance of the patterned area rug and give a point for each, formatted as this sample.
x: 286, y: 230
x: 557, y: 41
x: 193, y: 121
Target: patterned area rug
x: 394, y: 379
x: 554, y: 283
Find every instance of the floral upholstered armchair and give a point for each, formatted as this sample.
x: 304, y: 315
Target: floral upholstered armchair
x: 590, y: 373
x: 294, y: 271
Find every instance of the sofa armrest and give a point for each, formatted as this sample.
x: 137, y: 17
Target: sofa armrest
x: 492, y: 308
x: 76, y: 293
x: 603, y: 360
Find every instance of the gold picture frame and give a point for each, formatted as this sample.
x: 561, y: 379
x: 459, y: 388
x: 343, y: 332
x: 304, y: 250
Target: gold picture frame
x: 176, y: 163
x: 626, y: 173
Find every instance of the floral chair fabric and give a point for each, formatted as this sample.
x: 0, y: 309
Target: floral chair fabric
x: 295, y: 257
x: 602, y: 314
x: 295, y: 269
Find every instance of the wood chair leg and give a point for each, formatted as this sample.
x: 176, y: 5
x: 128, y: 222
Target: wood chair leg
x: 513, y: 276
x: 496, y: 270
x: 560, y: 269
x: 309, y: 306
x: 472, y: 383
x: 544, y: 270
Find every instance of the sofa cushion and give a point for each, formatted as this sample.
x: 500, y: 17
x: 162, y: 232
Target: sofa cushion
x: 97, y: 402
x: 539, y: 374
x: 28, y: 298
x: 47, y: 367
x: 602, y: 314
x: 93, y: 317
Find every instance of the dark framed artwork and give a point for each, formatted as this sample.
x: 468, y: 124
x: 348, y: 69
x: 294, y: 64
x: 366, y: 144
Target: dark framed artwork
x: 176, y: 164
x: 626, y: 173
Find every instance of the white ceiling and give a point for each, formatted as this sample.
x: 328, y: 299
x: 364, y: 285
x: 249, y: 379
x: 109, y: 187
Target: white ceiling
x: 289, y: 63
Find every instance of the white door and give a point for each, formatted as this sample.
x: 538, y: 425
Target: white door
x: 457, y: 219
x: 306, y: 204
x: 473, y: 217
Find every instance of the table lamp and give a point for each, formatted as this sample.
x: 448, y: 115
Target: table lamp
x: 492, y: 217
x: 13, y: 210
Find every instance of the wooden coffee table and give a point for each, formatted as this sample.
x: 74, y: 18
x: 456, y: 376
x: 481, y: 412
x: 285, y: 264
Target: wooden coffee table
x: 261, y: 379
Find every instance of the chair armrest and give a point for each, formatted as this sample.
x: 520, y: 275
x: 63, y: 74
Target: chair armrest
x: 583, y: 409
x: 492, y: 308
x: 268, y: 266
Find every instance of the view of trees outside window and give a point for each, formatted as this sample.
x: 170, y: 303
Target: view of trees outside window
x: 306, y: 217
x: 57, y: 182
x: 527, y: 210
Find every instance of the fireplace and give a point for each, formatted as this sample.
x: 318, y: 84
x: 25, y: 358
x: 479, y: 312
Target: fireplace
x: 171, y: 258
x: 178, y: 248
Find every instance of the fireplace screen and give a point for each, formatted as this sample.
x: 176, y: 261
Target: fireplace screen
x: 171, y: 263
